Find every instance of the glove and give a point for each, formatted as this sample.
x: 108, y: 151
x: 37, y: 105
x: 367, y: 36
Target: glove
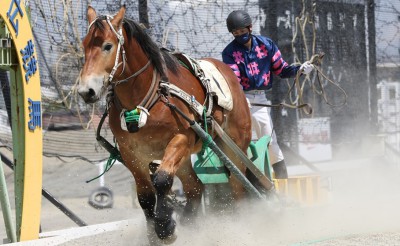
x: 306, y: 67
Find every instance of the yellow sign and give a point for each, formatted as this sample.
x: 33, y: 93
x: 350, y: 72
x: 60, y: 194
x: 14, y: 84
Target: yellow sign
x: 26, y: 120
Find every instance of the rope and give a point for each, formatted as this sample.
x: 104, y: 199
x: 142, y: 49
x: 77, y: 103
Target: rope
x: 316, y: 60
x: 305, y: 19
x: 322, y: 92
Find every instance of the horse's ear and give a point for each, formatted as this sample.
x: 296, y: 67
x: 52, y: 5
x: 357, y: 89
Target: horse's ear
x: 91, y: 14
x: 119, y: 17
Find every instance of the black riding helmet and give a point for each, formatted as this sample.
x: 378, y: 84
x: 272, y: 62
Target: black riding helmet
x: 238, y: 19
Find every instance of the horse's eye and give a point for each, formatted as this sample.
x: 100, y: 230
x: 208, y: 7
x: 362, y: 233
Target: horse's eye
x: 107, y: 47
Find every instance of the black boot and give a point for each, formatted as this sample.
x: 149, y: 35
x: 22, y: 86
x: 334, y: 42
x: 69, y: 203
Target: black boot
x: 280, y: 170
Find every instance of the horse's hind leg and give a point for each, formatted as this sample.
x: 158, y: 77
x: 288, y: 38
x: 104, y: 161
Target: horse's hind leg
x: 175, y: 153
x: 193, y: 189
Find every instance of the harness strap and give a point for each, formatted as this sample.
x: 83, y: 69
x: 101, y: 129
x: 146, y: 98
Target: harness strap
x: 120, y: 49
x: 120, y: 45
x: 194, y: 67
x: 206, y: 83
x: 147, y: 102
x: 189, y: 99
x: 148, y: 99
x: 133, y: 75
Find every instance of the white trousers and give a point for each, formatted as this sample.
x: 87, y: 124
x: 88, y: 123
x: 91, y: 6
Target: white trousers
x: 261, y: 124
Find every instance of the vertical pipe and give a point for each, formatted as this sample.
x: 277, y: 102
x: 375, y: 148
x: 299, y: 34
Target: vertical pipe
x: 144, y: 13
x: 372, y: 64
x: 5, y: 207
x: 101, y: 171
x: 50, y: 198
x: 5, y: 87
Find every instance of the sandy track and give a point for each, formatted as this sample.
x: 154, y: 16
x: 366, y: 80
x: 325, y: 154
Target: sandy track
x: 364, y: 210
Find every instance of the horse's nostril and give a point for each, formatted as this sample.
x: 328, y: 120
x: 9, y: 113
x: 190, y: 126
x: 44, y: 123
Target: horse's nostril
x: 91, y: 93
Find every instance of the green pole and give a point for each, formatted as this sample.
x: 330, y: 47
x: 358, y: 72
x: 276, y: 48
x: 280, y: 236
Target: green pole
x: 5, y: 206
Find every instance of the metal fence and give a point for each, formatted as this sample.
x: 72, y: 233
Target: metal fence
x: 360, y: 40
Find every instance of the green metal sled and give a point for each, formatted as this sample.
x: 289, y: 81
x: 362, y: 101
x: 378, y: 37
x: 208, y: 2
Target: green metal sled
x: 211, y: 170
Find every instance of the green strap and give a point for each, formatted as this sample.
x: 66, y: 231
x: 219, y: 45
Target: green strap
x: 183, y: 64
x: 132, y: 116
x: 110, y: 162
x: 206, y: 142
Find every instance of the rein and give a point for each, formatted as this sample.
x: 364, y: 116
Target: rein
x: 133, y: 75
x: 307, y: 108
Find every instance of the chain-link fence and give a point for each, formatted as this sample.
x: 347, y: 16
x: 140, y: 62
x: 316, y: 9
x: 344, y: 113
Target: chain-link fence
x: 360, y: 40
x: 388, y: 72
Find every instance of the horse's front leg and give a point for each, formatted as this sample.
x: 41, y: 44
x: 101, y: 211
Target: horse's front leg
x: 147, y: 200
x: 176, y: 152
x: 146, y: 196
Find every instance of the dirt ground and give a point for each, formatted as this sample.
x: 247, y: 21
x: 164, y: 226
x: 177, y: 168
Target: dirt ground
x: 65, y: 179
x: 363, y: 209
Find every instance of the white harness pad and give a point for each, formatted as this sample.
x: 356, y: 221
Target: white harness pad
x: 218, y: 84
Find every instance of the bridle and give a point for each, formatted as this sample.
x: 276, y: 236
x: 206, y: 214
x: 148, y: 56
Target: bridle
x: 151, y: 96
x: 120, y: 48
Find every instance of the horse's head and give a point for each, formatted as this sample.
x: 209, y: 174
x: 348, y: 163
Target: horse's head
x: 102, y: 46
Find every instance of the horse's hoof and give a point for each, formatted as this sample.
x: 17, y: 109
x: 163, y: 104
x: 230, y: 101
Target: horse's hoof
x: 165, y: 230
x: 170, y: 239
x: 155, y: 241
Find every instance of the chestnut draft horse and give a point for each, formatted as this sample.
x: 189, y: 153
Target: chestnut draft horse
x: 118, y: 53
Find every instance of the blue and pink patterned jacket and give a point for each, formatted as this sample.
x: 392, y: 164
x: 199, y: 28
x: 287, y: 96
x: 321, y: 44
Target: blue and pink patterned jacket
x: 253, y: 68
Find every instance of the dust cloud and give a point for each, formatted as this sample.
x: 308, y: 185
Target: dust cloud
x: 363, y: 202
x: 364, y: 199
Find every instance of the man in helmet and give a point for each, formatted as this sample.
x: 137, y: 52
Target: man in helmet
x: 254, y: 58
